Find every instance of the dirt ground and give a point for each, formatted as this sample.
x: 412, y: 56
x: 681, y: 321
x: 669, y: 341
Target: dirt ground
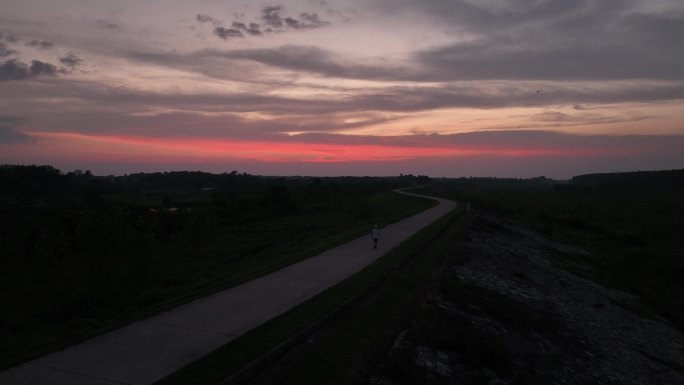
x: 518, y: 308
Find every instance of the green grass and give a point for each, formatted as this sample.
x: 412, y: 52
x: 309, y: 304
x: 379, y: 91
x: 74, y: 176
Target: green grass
x: 61, y: 298
x: 365, y: 310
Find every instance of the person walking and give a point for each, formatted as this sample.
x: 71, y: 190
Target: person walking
x: 375, y: 234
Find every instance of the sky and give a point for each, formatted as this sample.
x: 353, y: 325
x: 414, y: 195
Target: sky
x: 445, y: 88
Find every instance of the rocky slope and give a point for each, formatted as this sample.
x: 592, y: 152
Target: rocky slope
x: 517, y: 308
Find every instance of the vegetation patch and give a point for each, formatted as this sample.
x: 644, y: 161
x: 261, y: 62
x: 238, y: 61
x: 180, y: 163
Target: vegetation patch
x: 82, y: 254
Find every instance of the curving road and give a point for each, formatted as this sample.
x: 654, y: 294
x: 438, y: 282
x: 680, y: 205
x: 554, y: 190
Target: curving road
x: 148, y: 350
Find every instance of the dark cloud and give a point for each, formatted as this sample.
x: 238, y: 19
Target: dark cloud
x: 311, y: 59
x: 202, y: 18
x: 554, y: 40
x: 228, y: 33
x: 71, y: 60
x: 238, y: 29
x: 273, y: 21
x: 272, y: 17
x: 6, y: 51
x: 490, y: 60
x: 8, y: 132
x: 11, y: 120
x: 39, y: 68
x: 311, y: 20
x: 16, y: 70
x: 292, y: 23
x: 40, y: 44
x: 10, y: 135
x: 13, y: 70
x: 324, y: 62
x: 253, y: 29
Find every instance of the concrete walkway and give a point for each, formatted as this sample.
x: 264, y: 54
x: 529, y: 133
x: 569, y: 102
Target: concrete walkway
x: 148, y: 350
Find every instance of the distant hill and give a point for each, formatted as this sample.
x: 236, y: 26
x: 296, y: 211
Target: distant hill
x: 639, y: 180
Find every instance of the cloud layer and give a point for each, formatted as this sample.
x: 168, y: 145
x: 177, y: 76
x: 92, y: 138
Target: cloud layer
x: 570, y: 80
x: 15, y: 70
x: 274, y: 19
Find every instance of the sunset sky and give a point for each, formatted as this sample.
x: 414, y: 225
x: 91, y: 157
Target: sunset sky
x: 514, y: 88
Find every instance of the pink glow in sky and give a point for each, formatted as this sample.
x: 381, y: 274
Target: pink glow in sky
x: 353, y: 87
x: 149, y: 149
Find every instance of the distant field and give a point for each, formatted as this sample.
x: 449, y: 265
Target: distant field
x: 82, y: 254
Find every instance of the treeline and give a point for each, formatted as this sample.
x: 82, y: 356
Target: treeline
x: 229, y: 197
x: 42, y: 180
x: 492, y: 181
x: 19, y: 179
x: 47, y: 180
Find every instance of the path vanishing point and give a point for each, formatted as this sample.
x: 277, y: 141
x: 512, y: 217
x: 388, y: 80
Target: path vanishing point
x: 148, y: 350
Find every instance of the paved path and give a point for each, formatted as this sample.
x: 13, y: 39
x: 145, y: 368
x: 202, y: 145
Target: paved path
x: 148, y: 350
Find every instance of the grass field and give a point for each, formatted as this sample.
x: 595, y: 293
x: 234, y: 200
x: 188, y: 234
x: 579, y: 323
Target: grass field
x: 635, y: 232
x: 365, y: 312
x: 72, y: 268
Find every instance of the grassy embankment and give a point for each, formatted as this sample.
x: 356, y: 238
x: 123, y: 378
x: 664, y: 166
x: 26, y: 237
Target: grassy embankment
x: 361, y: 318
x: 633, y: 230
x: 74, y: 267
